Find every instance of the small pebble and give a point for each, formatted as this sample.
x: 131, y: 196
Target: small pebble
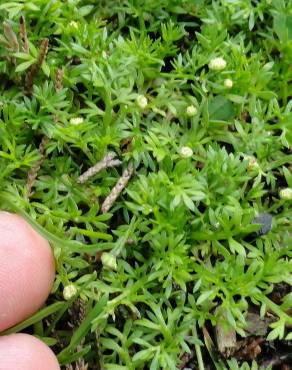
x: 266, y: 220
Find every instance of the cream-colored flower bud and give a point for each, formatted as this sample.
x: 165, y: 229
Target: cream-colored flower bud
x: 252, y: 163
x: 109, y: 260
x: 73, y: 24
x: 217, y: 64
x: 191, y: 111
x: 186, y: 152
x: 69, y: 291
x: 286, y: 194
x: 228, y: 83
x: 76, y: 121
x: 142, y: 101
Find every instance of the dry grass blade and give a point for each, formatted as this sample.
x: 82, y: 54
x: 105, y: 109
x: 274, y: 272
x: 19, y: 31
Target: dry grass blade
x: 36, y: 67
x: 117, y: 189
x: 23, y: 35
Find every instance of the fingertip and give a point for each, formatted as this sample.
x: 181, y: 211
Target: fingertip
x: 27, y: 270
x: 25, y: 352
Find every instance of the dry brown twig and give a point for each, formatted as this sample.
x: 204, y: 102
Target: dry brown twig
x: 77, y: 313
x: 33, y: 173
x: 118, y: 188
x: 34, y: 69
x: 106, y: 162
x: 59, y: 80
x: 11, y: 43
x: 80, y: 364
x: 23, y: 35
x: 58, y: 87
x: 10, y: 36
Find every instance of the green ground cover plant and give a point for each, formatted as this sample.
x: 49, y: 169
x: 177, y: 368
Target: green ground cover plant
x: 181, y: 230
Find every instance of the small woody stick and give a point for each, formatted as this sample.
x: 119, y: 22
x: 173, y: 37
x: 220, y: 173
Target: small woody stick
x: 23, y: 35
x: 117, y: 189
x: 10, y: 36
x: 59, y: 80
x: 36, y: 67
x: 106, y: 162
x: 33, y: 173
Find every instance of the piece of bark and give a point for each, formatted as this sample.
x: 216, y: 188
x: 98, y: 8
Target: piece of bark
x: 256, y: 325
x: 225, y: 337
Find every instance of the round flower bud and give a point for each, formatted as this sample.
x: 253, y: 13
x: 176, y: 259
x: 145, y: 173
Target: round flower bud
x: 109, y: 260
x: 142, y: 101
x: 286, y: 194
x: 191, y: 111
x: 73, y: 24
x: 252, y: 163
x: 217, y: 64
x: 186, y: 152
x: 228, y: 83
x: 69, y: 291
x: 76, y: 121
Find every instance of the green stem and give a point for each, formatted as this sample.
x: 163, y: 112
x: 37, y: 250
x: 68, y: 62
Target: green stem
x: 275, y: 308
x: 198, y: 351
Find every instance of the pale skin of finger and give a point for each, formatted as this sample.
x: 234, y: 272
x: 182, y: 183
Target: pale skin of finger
x: 27, y: 271
x: 25, y: 352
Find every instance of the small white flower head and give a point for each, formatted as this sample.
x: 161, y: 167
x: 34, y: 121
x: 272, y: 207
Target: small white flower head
x: 142, y: 101
x: 217, y: 64
x: 69, y: 291
x: 268, y: 66
x: 252, y: 163
x: 286, y: 194
x: 228, y: 83
x: 76, y: 121
x: 109, y: 260
x: 191, y: 111
x: 73, y: 24
x: 186, y: 152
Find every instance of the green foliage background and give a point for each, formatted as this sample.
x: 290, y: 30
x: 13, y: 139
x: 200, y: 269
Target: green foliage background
x: 180, y: 230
